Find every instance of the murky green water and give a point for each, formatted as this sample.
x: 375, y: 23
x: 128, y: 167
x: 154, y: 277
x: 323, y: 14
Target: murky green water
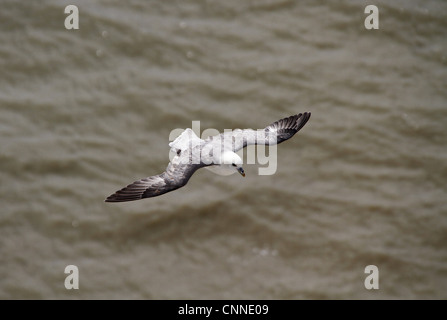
x: 85, y: 112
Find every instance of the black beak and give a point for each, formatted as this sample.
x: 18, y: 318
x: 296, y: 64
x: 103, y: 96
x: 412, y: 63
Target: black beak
x: 241, y: 171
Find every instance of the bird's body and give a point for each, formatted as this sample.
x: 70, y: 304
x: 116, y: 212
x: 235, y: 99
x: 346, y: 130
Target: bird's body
x: 193, y: 153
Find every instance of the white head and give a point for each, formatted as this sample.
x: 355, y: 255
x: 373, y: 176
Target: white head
x: 231, y: 160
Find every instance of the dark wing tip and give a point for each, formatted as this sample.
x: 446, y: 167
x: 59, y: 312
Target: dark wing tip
x: 125, y: 194
x: 287, y: 127
x: 145, y: 188
x: 134, y: 191
x: 302, y: 120
x: 295, y: 122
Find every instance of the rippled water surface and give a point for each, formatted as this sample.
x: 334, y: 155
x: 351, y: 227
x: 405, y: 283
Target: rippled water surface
x: 85, y: 112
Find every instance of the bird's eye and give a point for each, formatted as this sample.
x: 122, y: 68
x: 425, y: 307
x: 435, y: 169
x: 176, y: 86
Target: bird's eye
x: 234, y: 165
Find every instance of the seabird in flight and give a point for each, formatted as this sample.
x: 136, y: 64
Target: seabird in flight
x: 193, y: 153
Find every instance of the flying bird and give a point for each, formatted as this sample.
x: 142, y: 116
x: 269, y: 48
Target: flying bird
x: 216, y: 152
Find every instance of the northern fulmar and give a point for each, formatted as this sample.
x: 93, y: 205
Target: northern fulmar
x: 193, y: 153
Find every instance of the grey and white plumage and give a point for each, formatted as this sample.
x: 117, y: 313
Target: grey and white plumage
x: 193, y: 153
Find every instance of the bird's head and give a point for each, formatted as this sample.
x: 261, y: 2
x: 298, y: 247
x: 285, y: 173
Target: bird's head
x: 234, y: 161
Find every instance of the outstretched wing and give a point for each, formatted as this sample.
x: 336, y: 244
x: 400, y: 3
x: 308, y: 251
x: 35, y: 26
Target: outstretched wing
x: 275, y: 133
x: 175, y: 176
